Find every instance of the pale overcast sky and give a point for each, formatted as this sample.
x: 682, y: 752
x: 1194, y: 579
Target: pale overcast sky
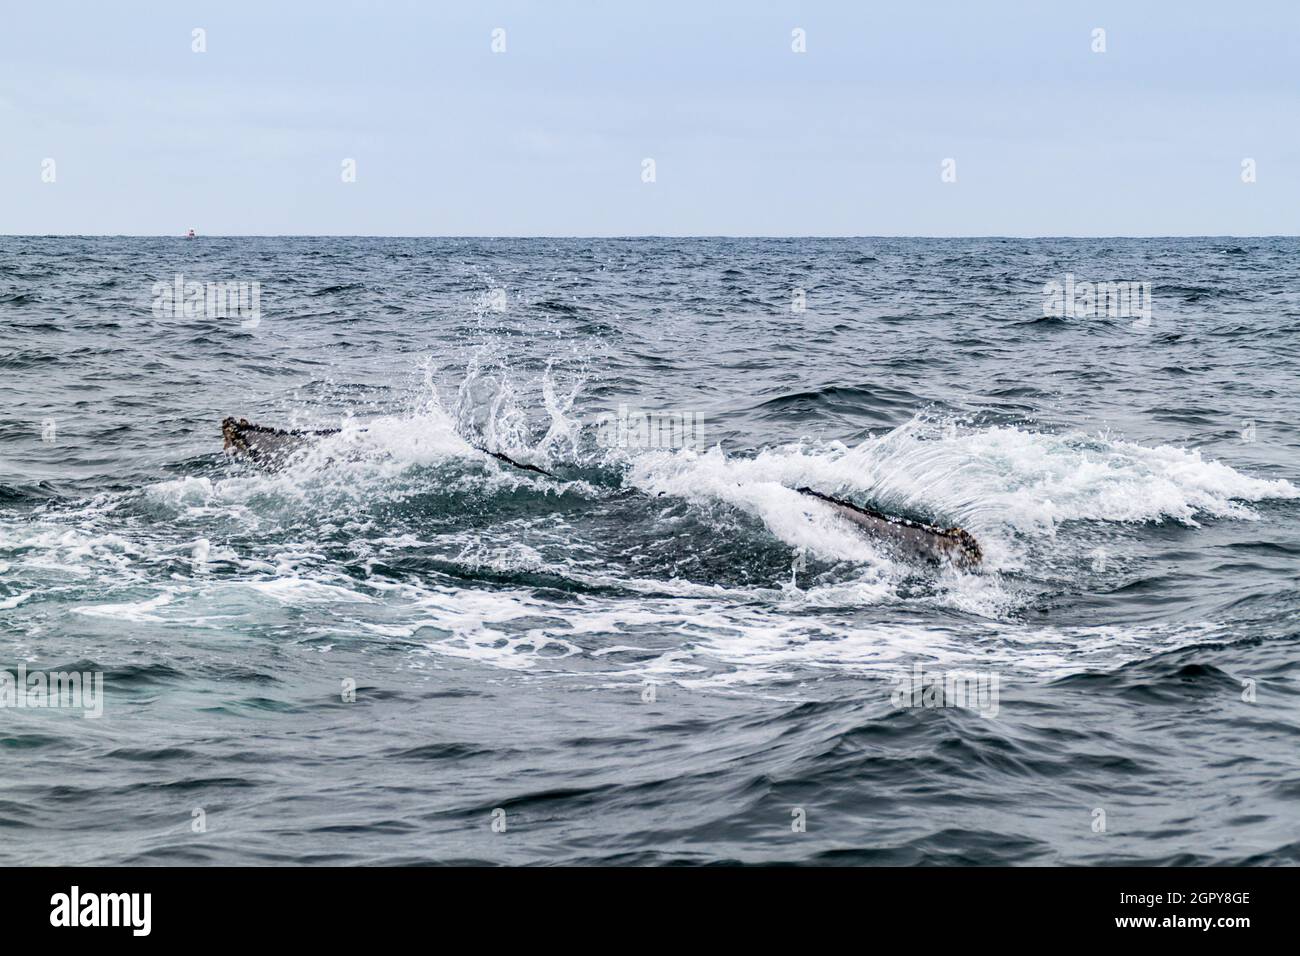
x: 748, y: 137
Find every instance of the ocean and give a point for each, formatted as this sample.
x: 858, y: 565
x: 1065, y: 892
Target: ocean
x: 395, y: 649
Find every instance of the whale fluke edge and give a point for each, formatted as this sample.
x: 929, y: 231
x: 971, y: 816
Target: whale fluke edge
x: 270, y: 446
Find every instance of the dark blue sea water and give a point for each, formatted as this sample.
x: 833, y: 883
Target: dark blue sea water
x: 663, y: 654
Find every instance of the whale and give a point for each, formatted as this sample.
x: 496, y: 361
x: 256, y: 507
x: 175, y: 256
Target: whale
x: 954, y: 546
x: 273, y: 446
x: 267, y: 446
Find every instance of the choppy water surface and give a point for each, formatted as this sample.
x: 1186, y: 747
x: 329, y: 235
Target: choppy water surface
x: 662, y: 654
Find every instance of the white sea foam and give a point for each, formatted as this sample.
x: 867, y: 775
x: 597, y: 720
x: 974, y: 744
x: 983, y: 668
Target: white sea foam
x: 1007, y: 485
x: 987, y: 479
x: 139, y: 612
x: 12, y: 602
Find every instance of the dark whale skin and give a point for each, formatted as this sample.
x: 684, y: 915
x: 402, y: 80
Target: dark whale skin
x: 940, y: 545
x: 272, y: 446
x: 266, y: 446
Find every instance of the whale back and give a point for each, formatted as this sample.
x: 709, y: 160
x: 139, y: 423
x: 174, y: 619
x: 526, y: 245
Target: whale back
x: 266, y: 446
x: 272, y: 446
x: 940, y: 545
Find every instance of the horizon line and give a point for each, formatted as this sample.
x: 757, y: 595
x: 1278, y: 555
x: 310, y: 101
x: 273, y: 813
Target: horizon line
x: 364, y: 235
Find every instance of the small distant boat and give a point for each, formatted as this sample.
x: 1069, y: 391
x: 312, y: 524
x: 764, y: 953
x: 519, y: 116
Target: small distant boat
x: 191, y: 234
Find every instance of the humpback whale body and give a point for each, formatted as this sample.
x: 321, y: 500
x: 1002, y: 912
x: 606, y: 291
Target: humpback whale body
x: 266, y: 446
x: 272, y: 446
x: 934, y: 544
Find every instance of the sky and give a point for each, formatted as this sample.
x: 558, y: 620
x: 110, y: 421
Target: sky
x: 747, y: 137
